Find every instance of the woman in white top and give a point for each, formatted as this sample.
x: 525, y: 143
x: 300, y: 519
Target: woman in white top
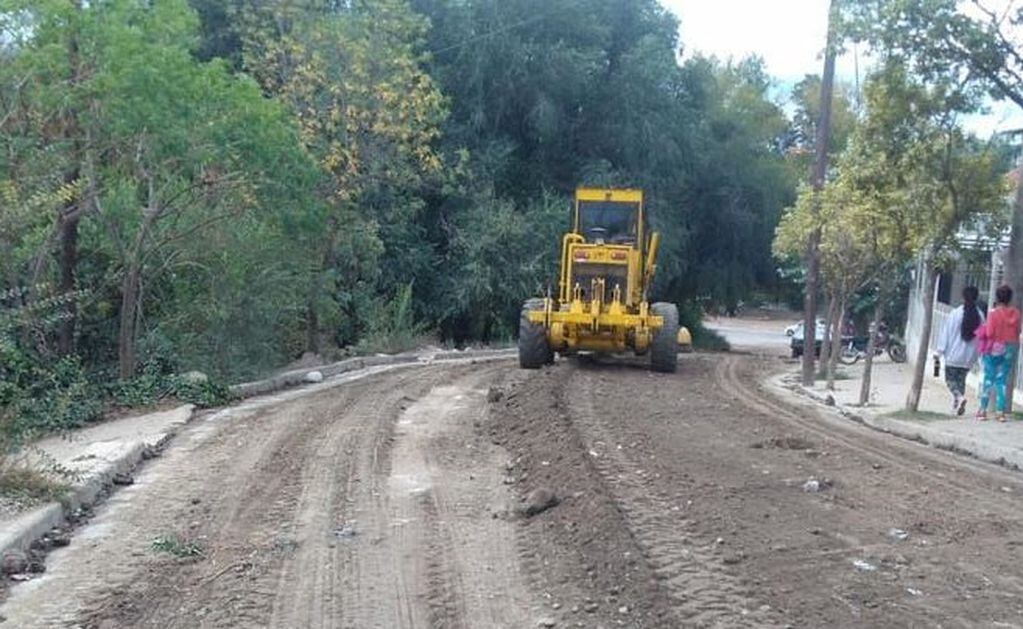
x: 958, y: 344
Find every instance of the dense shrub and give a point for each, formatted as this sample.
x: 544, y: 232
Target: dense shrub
x: 41, y: 398
x: 691, y: 317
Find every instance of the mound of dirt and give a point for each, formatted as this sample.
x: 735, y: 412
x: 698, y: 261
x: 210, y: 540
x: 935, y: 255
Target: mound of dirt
x: 582, y: 549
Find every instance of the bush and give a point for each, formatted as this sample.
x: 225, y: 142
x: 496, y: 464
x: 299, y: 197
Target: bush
x: 151, y: 386
x: 143, y: 390
x: 202, y: 393
x: 42, y: 399
x: 394, y: 328
x: 703, y: 338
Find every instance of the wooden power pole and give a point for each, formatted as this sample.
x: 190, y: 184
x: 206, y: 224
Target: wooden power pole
x: 820, y: 171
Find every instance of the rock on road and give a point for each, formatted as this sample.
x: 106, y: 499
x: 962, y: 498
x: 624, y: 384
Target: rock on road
x: 397, y: 499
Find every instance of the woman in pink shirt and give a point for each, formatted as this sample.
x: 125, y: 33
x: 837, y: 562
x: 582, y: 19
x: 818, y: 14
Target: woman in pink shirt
x: 999, y: 346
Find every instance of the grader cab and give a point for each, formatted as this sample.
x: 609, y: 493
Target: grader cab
x: 607, y: 266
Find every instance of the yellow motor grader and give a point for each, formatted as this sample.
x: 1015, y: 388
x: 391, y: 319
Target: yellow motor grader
x: 607, y: 266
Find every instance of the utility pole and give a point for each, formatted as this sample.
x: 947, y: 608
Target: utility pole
x: 819, y: 176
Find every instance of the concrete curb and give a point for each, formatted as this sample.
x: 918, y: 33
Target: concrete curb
x: 298, y: 377
x: 19, y: 533
x: 1011, y: 458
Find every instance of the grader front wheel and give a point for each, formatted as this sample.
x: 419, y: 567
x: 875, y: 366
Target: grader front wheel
x: 534, y: 352
x: 664, y: 345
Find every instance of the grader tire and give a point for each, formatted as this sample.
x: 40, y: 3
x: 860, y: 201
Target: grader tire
x: 533, y: 349
x: 664, y: 346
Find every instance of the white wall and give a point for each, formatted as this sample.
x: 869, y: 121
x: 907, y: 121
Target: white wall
x: 915, y: 324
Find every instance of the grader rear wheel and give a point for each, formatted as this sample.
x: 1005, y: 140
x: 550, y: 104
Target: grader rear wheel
x: 664, y: 345
x: 534, y: 352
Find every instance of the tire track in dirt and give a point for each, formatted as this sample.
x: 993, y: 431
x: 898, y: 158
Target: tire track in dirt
x: 703, y: 594
x: 894, y: 452
x: 437, y: 557
x: 268, y: 515
x: 305, y: 518
x: 962, y: 513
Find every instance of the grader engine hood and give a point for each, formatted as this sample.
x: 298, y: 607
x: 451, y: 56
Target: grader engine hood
x: 599, y: 271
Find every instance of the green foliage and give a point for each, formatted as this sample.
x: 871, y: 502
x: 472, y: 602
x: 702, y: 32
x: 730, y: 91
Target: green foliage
x: 251, y: 181
x: 203, y: 393
x: 39, y: 396
x: 394, y: 327
x: 154, y: 384
x: 500, y: 254
x: 61, y: 398
x: 178, y: 547
x: 145, y: 389
x: 691, y: 317
x: 907, y: 182
x: 939, y: 41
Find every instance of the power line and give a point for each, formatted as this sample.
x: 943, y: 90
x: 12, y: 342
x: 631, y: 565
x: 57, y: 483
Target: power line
x: 496, y: 31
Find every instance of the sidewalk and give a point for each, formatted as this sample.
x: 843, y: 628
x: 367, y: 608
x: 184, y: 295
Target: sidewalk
x: 991, y: 441
x: 92, y: 459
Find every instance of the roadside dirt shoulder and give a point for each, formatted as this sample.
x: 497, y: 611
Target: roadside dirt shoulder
x: 368, y: 505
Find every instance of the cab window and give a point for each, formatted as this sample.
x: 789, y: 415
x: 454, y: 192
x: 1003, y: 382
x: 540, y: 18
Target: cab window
x: 612, y: 222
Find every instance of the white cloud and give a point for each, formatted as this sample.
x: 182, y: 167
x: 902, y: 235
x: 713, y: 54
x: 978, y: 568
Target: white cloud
x: 788, y: 34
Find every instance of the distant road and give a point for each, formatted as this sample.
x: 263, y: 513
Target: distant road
x: 752, y: 332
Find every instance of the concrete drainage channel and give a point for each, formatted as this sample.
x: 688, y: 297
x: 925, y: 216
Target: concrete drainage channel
x: 106, y: 455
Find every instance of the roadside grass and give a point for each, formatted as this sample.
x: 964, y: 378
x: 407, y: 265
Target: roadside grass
x: 178, y: 546
x: 25, y: 486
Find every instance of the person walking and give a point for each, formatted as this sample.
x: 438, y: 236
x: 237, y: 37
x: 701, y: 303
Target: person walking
x: 998, y: 340
x: 957, y: 344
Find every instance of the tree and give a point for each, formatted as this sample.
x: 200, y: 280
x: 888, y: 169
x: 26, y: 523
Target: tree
x: 940, y: 41
x: 923, y: 178
x: 907, y: 182
x: 848, y: 261
x: 162, y: 147
x: 369, y: 114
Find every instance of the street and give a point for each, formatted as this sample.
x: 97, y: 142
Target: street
x: 404, y: 499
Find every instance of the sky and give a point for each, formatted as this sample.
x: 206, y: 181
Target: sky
x: 789, y: 35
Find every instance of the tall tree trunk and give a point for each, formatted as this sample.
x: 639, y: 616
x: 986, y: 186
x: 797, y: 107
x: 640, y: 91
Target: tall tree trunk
x: 836, y: 343
x: 826, y: 341
x: 813, y: 263
x: 128, y: 333
x: 69, y: 213
x: 868, y: 361
x: 820, y: 171
x: 131, y: 292
x: 312, y: 318
x: 68, y: 261
x: 920, y: 361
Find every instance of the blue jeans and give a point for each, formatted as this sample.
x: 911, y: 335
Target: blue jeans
x: 996, y: 373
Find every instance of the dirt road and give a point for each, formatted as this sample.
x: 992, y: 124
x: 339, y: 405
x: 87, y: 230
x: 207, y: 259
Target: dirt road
x: 394, y: 500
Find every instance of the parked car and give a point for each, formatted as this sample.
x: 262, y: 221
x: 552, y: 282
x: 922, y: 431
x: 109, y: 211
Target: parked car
x: 795, y: 334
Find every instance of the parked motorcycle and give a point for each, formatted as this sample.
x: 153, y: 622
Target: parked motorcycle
x: 856, y: 348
